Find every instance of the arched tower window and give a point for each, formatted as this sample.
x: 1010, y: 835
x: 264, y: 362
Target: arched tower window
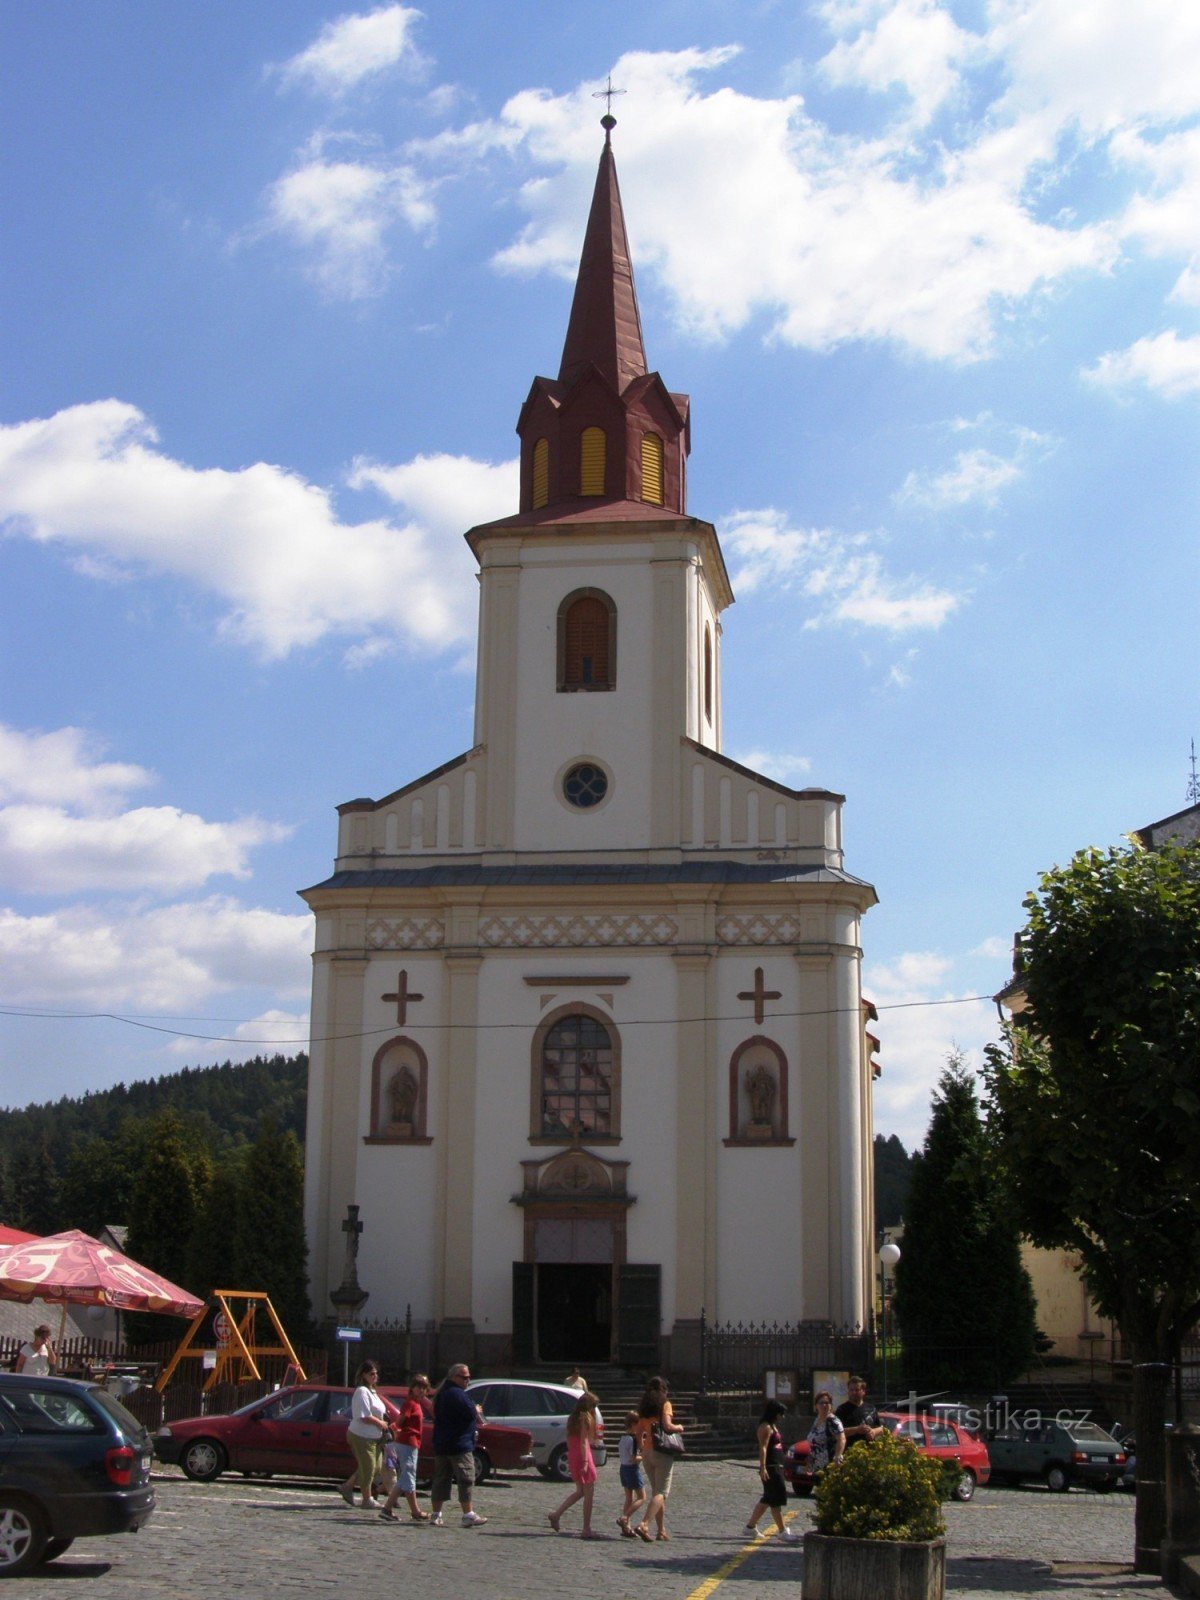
x: 541, y: 474
x: 587, y: 641
x: 708, y: 674
x: 576, y: 1077
x: 652, y: 469
x: 592, y: 445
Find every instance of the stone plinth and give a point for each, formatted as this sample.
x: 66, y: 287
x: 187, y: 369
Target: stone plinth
x: 872, y: 1569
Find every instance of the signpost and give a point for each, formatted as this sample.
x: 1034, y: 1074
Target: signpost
x: 348, y: 1336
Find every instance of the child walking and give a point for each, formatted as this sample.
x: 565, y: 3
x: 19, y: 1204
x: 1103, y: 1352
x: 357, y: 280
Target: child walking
x: 405, y: 1448
x: 581, y: 1435
x: 633, y: 1479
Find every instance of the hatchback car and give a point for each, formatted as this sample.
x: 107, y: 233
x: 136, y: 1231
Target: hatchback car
x: 934, y: 1436
x: 301, y: 1431
x: 1060, y: 1453
x: 542, y: 1409
x: 74, y: 1464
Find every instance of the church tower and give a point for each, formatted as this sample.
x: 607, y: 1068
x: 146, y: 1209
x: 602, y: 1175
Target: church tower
x: 587, y: 993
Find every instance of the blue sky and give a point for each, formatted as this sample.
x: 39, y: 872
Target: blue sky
x: 276, y: 279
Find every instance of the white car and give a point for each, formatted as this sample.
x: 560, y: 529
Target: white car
x: 542, y: 1409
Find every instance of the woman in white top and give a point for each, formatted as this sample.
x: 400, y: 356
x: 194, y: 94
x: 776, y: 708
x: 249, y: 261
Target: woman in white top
x: 365, y: 1435
x: 37, y: 1357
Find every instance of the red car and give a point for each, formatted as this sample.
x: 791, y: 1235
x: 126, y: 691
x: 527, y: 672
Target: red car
x: 301, y: 1431
x: 933, y: 1436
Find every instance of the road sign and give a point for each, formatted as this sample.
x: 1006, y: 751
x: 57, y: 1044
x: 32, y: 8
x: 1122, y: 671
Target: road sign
x: 349, y: 1335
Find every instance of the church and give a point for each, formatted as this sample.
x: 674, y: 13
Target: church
x: 589, y: 1047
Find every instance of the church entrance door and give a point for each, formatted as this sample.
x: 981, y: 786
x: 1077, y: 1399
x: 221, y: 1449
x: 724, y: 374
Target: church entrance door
x: 574, y: 1312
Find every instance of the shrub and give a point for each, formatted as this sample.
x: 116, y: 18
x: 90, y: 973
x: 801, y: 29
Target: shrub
x: 883, y: 1489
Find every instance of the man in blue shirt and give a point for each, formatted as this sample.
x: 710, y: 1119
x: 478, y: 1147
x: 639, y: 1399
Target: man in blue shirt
x: 455, y: 1425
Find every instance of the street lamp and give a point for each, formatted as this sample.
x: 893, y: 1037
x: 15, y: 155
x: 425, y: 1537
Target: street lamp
x: 889, y: 1254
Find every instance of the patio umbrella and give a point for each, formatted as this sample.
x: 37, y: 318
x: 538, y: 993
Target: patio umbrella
x: 72, y: 1268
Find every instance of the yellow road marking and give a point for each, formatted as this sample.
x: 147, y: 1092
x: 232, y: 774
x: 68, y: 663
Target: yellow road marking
x: 710, y: 1584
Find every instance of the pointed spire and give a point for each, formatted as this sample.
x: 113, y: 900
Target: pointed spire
x: 605, y: 329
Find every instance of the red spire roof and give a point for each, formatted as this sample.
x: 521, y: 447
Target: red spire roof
x: 605, y: 330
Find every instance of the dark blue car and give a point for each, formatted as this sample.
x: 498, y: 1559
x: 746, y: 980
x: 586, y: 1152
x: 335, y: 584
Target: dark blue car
x: 73, y: 1464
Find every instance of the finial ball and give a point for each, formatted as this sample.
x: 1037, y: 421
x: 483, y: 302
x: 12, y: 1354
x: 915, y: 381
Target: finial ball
x: 608, y: 122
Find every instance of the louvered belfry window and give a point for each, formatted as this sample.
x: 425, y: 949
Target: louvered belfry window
x: 652, y: 469
x: 586, y: 653
x: 591, y: 461
x: 541, y: 474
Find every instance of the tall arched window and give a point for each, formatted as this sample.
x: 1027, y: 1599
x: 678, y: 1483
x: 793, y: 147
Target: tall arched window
x: 541, y: 474
x: 708, y: 673
x: 576, y: 1070
x: 592, y: 445
x: 587, y: 641
x: 652, y: 469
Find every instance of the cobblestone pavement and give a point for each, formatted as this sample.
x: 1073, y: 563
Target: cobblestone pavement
x: 238, y: 1540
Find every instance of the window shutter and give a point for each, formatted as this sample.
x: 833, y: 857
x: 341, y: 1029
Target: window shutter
x: 652, y: 469
x: 591, y: 461
x: 541, y: 474
x: 586, y: 642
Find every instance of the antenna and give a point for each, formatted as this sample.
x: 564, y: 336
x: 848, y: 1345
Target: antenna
x: 1193, y: 788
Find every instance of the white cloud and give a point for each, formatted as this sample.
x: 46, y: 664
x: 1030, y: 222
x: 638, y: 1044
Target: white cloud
x: 44, y: 849
x: 62, y: 830
x: 782, y: 767
x: 342, y: 212
x: 1166, y: 364
x: 914, y: 45
x: 976, y: 476
x: 1166, y: 219
x: 845, y: 579
x: 748, y: 206
x: 355, y: 47
x: 166, y: 959
x: 264, y: 1034
x: 63, y: 768
x: 916, y: 1036
x: 269, y: 546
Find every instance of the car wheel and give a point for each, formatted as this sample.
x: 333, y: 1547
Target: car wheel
x: 55, y: 1548
x: 22, y: 1537
x: 1058, y: 1478
x: 483, y: 1466
x: 204, y: 1460
x: 559, y: 1466
x: 544, y: 1470
x: 964, y: 1489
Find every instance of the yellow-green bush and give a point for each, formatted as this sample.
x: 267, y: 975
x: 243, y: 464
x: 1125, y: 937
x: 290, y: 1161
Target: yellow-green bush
x: 883, y: 1489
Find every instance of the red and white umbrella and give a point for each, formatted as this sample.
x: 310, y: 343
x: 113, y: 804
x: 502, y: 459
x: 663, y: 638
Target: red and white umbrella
x: 74, y: 1269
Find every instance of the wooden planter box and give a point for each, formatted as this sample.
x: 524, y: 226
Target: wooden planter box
x: 870, y: 1569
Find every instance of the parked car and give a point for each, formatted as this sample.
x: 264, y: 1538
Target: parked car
x: 542, y: 1409
x: 1060, y: 1453
x: 301, y: 1431
x: 933, y: 1436
x: 74, y: 1464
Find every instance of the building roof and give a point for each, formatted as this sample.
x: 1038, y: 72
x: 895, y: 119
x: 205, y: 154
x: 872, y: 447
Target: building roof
x: 553, y: 875
x: 605, y: 330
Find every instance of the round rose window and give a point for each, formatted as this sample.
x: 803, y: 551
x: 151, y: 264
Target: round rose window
x: 585, y: 785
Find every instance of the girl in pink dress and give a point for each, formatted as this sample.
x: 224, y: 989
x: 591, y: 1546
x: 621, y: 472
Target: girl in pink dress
x: 581, y: 1435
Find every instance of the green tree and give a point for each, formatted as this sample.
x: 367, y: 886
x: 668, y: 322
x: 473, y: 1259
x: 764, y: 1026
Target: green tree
x: 893, y: 1174
x: 270, y: 1247
x: 35, y: 1188
x: 167, y: 1198
x: 1095, y: 1104
x: 213, y: 1261
x: 963, y: 1300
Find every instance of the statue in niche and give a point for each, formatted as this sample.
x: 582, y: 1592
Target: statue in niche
x: 402, y: 1099
x: 760, y: 1091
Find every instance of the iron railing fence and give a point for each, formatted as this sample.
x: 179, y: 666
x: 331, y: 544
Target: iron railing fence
x: 736, y: 1357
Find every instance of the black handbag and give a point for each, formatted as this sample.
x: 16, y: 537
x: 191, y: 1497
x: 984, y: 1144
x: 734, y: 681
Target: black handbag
x: 666, y: 1444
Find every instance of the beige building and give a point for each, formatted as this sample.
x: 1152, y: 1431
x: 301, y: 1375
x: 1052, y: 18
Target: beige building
x: 589, y: 1047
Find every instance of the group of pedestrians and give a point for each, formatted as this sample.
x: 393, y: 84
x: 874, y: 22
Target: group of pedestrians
x: 387, y: 1453
x: 854, y: 1421
x: 647, y: 1452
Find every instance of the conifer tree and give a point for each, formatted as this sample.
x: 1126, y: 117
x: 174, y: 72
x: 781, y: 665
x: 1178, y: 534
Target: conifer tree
x: 269, y: 1243
x: 963, y: 1300
x: 167, y: 1199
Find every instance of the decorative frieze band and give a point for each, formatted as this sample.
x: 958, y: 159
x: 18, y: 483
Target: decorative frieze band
x: 523, y: 932
x: 759, y: 929
x: 405, y: 933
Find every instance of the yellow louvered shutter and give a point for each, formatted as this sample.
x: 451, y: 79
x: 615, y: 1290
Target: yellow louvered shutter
x: 591, y: 461
x: 541, y: 474
x: 652, y: 469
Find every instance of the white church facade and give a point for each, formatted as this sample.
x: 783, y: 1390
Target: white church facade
x: 589, y: 1049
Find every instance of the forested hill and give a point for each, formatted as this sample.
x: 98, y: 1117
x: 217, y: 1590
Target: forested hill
x: 221, y: 1109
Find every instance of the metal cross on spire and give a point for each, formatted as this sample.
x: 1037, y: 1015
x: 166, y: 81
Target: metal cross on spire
x: 608, y: 122
x: 1193, y: 788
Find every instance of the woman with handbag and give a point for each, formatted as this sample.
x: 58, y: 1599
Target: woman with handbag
x: 660, y: 1440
